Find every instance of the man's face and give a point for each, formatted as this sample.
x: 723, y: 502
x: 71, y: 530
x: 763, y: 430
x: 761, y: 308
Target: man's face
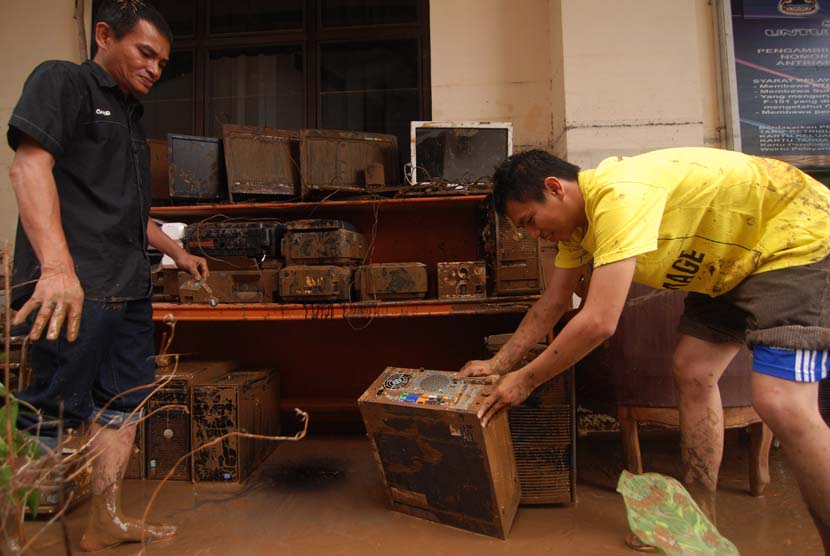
x: 136, y: 60
x: 555, y: 218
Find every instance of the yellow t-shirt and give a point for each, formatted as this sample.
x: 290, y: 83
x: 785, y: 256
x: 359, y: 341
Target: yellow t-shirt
x: 700, y: 219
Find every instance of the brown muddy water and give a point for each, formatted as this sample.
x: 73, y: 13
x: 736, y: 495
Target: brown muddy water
x: 324, y: 496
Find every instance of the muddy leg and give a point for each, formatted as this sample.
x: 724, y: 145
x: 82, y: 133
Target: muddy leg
x: 107, y: 524
x: 698, y: 365
x: 789, y: 408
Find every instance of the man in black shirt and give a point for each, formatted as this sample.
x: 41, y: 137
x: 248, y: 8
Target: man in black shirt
x: 81, y: 177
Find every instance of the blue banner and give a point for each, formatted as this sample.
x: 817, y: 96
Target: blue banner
x: 782, y: 65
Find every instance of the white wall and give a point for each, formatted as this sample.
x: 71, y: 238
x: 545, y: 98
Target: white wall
x: 31, y: 31
x: 585, y: 79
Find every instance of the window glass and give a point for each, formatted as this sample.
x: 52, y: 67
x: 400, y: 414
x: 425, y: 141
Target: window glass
x: 263, y: 86
x: 168, y: 108
x: 241, y: 16
x: 370, y: 86
x: 349, y: 13
x: 179, y: 14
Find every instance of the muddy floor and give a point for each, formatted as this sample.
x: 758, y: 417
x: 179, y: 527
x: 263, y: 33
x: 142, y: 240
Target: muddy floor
x: 323, y: 496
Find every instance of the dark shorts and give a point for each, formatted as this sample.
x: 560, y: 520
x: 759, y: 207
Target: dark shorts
x: 782, y: 315
x: 114, y: 353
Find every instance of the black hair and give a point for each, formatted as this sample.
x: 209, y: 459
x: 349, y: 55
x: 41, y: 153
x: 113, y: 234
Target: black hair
x: 122, y: 15
x: 522, y: 176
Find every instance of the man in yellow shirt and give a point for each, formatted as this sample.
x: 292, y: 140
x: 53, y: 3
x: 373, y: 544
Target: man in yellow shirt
x: 747, y: 237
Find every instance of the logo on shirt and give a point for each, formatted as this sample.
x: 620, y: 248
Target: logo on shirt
x: 103, y: 112
x: 684, y: 270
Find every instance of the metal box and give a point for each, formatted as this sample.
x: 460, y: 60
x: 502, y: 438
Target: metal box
x: 234, y: 239
x: 513, y: 262
x: 262, y: 163
x: 168, y: 431
x: 159, y: 171
x: 336, y: 161
x: 390, y: 281
x: 314, y: 284
x: 232, y: 286
x: 245, y: 401
x: 323, y: 247
x: 543, y: 429
x: 462, y: 280
x: 437, y: 461
x: 196, y: 168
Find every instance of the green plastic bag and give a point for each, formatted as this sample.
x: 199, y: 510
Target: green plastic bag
x: 663, y: 515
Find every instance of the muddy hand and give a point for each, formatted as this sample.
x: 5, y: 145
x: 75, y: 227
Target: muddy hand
x: 60, y: 299
x: 511, y: 391
x: 195, y: 265
x: 477, y: 368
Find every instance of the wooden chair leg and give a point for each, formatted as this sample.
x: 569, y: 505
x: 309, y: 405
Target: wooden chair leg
x: 761, y: 440
x: 630, y: 441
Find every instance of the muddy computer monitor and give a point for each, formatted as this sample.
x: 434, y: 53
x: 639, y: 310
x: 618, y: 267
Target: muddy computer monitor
x: 458, y: 152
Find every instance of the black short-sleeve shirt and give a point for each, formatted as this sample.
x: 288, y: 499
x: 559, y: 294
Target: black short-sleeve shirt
x: 102, y: 172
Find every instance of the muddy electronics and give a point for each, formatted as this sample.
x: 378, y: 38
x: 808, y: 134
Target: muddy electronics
x: 336, y: 162
x: 315, y: 284
x: 513, y: 263
x: 437, y: 461
x: 262, y: 163
x: 458, y: 153
x: 323, y: 247
x: 234, y: 239
x: 167, y: 431
x: 543, y: 429
x: 462, y: 280
x: 231, y: 286
x: 244, y: 401
x: 391, y: 281
x: 196, y: 167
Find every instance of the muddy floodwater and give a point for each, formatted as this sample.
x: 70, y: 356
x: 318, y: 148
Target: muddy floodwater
x: 324, y: 496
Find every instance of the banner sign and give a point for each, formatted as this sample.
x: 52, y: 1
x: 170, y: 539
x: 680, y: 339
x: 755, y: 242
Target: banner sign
x: 782, y: 67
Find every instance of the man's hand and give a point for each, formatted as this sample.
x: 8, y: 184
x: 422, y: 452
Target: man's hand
x: 511, y: 391
x: 60, y: 297
x: 479, y: 368
x: 195, y: 265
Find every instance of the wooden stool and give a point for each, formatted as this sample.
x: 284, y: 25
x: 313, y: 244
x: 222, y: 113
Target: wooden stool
x: 733, y: 417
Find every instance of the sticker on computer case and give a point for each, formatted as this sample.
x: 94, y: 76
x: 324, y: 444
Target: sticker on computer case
x: 396, y: 381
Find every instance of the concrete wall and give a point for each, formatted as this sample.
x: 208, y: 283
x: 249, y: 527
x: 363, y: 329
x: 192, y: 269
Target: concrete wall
x: 491, y: 61
x: 32, y: 31
x: 585, y: 79
x: 636, y: 74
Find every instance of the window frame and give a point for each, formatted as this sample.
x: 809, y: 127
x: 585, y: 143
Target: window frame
x: 310, y: 39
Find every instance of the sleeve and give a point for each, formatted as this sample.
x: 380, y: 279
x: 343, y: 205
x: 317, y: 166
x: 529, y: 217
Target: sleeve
x: 626, y: 221
x: 48, y: 108
x: 571, y: 255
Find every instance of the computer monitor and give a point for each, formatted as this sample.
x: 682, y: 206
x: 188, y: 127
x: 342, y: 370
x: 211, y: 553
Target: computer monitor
x: 458, y: 153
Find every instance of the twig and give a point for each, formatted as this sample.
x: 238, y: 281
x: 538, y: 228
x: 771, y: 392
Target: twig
x: 10, y: 459
x: 48, y: 523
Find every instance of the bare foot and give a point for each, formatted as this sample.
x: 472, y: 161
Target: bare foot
x: 105, y: 533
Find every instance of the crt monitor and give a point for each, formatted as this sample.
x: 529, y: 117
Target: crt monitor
x: 458, y: 153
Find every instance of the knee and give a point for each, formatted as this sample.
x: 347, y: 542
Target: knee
x: 784, y: 414
x: 691, y: 375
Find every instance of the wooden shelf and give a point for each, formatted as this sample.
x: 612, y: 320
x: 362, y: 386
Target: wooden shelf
x: 307, y: 209
x: 337, y: 311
